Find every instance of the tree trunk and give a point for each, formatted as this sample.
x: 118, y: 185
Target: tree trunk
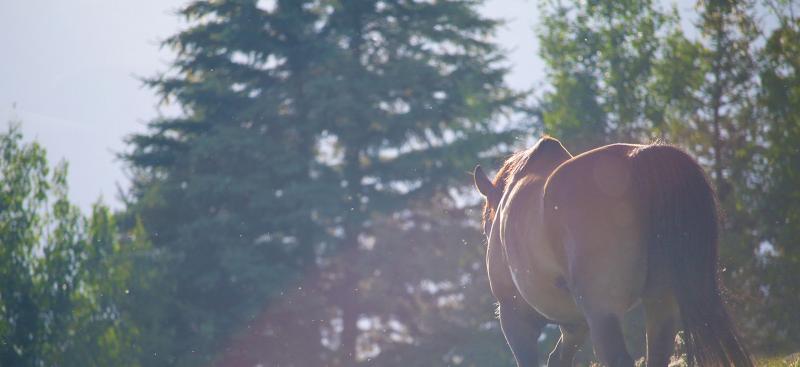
x: 353, y: 224
x: 349, y: 336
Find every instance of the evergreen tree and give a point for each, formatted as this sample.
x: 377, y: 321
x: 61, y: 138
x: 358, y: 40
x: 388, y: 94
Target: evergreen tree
x: 225, y: 190
x: 416, y: 87
x: 305, y: 122
x: 429, y: 262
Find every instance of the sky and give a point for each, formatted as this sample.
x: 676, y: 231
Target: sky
x: 72, y: 68
x: 70, y: 72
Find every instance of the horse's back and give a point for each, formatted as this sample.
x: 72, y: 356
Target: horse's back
x: 592, y: 212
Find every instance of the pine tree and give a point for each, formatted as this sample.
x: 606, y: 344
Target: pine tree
x: 304, y: 121
x: 443, y: 312
x: 225, y: 190
x: 423, y: 78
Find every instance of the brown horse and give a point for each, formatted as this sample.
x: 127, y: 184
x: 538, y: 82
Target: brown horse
x: 578, y: 241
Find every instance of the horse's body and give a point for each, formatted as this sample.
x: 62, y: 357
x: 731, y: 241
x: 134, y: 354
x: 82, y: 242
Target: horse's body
x: 578, y: 241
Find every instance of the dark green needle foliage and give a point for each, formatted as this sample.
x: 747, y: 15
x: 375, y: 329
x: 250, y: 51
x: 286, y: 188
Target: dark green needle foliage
x: 304, y: 124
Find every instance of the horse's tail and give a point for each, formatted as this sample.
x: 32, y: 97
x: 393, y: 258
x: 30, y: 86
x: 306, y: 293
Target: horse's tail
x: 682, y: 237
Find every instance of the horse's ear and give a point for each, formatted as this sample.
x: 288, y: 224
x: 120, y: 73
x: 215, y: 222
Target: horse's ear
x: 484, y: 186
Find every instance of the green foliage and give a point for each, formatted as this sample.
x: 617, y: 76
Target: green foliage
x: 600, y: 58
x: 66, y: 281
x: 26, y: 184
x: 309, y: 191
x: 306, y: 124
x: 780, y: 208
x: 311, y: 205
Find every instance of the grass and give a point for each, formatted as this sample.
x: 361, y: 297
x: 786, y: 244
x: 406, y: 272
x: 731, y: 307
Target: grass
x: 792, y: 360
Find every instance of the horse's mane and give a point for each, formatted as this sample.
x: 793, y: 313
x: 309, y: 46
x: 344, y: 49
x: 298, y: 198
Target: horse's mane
x: 517, y: 165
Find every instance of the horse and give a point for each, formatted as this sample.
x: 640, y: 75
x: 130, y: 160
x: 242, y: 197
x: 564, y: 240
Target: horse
x: 578, y: 241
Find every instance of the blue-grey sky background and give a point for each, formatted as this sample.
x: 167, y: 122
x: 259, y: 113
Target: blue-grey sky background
x: 72, y: 68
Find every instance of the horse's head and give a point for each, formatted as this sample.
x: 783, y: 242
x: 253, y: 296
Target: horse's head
x: 544, y: 156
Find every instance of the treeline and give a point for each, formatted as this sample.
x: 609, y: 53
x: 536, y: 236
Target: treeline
x: 71, y: 287
x: 312, y: 204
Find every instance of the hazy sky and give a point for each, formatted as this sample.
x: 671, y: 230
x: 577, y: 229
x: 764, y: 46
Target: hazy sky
x: 71, y: 67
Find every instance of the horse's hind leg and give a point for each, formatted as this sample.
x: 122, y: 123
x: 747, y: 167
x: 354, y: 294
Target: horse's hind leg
x: 572, y: 337
x: 521, y: 326
x: 606, y: 267
x: 602, y: 289
x: 661, y: 319
x: 603, y: 298
x: 609, y: 344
